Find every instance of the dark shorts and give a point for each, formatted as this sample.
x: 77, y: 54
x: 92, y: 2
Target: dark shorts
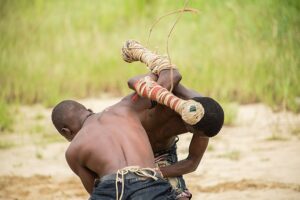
x: 169, y: 157
x: 135, y: 188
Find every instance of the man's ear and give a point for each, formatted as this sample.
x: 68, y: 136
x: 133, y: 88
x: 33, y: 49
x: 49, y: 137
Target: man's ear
x: 67, y: 133
x: 90, y: 110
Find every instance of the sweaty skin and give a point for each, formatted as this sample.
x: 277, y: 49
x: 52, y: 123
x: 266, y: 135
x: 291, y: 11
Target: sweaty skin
x: 163, y: 125
x: 110, y: 140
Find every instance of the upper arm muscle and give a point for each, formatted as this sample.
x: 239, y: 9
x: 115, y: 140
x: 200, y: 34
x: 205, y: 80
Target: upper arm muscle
x: 86, y: 176
x: 197, y: 148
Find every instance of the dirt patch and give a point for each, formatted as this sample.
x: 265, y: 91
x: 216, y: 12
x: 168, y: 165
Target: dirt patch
x: 245, y: 185
x: 47, y: 187
x: 40, y: 187
x: 256, y: 158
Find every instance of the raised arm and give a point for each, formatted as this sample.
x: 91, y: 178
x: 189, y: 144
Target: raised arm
x: 135, y: 101
x: 160, y: 66
x: 196, y: 150
x: 184, y: 93
x: 134, y: 79
x: 163, y: 72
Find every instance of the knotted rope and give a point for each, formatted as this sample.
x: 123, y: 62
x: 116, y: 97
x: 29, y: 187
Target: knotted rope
x: 190, y: 110
x: 134, y: 51
x: 142, y: 172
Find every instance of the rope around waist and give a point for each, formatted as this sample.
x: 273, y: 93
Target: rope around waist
x: 112, y: 177
x: 131, y: 172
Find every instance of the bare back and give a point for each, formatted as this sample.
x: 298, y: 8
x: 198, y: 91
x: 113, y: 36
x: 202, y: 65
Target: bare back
x: 112, y: 140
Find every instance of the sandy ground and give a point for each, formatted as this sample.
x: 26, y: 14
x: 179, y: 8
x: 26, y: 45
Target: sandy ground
x: 256, y: 158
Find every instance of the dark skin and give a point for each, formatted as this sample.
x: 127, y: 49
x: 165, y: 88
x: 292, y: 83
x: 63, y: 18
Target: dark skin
x: 92, y: 136
x: 99, y: 146
x: 163, y: 125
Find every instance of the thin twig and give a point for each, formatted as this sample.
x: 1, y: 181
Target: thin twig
x: 171, y: 71
x: 180, y: 11
x: 192, y: 10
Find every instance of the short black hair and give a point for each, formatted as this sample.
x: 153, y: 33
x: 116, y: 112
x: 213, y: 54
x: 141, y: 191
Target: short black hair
x: 213, y: 118
x: 63, y: 113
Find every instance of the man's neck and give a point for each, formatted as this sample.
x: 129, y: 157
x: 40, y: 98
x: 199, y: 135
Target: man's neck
x: 86, y: 117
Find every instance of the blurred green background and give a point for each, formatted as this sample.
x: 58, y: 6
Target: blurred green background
x: 234, y: 50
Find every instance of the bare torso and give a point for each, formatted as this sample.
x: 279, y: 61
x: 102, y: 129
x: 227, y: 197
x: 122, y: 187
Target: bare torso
x: 111, y: 140
x: 162, y: 126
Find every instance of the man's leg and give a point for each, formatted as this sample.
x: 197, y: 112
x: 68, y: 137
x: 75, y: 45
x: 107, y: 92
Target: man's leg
x: 150, y: 189
x: 104, y: 190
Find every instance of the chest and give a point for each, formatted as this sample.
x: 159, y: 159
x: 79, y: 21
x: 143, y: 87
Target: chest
x: 162, y: 124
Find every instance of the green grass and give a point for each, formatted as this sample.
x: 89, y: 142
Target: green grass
x: 51, y: 138
x: 230, y: 113
x: 210, y: 148
x: 39, y: 116
x: 43, y: 136
x: 295, y: 131
x: 39, y: 155
x: 233, y: 155
x: 6, y: 144
x: 233, y: 50
x: 276, y: 137
x: 6, y: 118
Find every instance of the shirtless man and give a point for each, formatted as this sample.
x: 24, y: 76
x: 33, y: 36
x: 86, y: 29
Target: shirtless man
x: 91, y: 136
x: 111, y: 146
x: 163, y: 125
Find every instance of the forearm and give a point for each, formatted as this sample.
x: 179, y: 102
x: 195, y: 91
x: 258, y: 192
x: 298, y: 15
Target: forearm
x: 182, y: 92
x: 169, y: 79
x: 197, y: 148
x: 134, y: 79
x: 177, y: 169
x: 190, y: 111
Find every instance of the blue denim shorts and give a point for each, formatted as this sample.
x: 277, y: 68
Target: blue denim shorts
x: 135, y: 188
x: 169, y: 157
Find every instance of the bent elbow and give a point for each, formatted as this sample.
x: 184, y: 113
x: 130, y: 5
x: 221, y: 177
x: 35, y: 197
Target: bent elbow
x: 194, y: 168
x: 193, y: 165
x: 176, y: 77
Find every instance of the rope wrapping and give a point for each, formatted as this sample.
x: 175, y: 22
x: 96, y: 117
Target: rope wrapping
x: 190, y: 110
x: 142, y: 172
x: 133, y: 51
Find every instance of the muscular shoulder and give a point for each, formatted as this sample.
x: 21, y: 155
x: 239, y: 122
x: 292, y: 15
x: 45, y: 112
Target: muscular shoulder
x: 70, y: 155
x: 76, y: 154
x: 72, y: 152
x: 75, y: 150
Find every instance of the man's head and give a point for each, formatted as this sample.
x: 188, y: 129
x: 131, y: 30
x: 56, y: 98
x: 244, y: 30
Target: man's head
x: 213, y: 118
x: 68, y: 117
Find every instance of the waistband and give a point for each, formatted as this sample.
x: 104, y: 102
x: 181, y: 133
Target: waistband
x: 130, y: 172
x: 128, y: 176
x: 152, y: 172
